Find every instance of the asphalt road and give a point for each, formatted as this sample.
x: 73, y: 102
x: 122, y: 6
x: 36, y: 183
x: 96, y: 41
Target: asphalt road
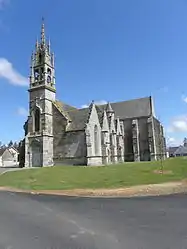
x: 53, y: 222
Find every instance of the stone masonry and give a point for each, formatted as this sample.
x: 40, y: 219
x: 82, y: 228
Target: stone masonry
x: 57, y: 133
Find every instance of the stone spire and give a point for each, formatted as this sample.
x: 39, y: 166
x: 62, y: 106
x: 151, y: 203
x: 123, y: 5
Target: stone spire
x: 43, y: 33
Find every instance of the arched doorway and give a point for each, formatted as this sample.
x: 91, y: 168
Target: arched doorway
x: 36, y: 153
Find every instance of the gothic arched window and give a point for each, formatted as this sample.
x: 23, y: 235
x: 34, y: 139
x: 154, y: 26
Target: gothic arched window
x: 49, y: 71
x: 37, y: 119
x: 96, y: 139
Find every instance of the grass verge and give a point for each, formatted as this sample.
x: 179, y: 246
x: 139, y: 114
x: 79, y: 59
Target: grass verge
x: 79, y: 177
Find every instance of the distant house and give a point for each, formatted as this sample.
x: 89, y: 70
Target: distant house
x: 181, y: 151
x: 8, y: 157
x: 172, y: 150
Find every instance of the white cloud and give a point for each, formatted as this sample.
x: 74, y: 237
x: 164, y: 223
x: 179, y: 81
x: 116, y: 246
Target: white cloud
x: 178, y: 124
x: 22, y: 111
x: 184, y: 98
x: 172, y: 141
x: 8, y: 72
x: 84, y: 106
x: 99, y: 102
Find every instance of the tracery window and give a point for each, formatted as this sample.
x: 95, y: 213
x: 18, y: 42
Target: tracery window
x: 96, y: 139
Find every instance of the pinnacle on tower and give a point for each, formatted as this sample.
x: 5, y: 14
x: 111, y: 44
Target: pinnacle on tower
x: 109, y: 108
x: 49, y: 46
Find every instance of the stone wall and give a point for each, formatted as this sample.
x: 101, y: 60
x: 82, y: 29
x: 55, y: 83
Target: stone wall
x: 151, y: 138
x: 59, y: 129
x: 128, y: 142
x: 136, y: 140
x: 159, y: 139
x: 143, y: 137
x: 71, y: 149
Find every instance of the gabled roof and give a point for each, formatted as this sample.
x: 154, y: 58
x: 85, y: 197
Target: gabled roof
x: 2, y: 150
x: 63, y: 108
x: 172, y: 149
x: 132, y: 108
x: 125, y: 109
x: 78, y: 119
x: 100, y: 114
x: 181, y: 150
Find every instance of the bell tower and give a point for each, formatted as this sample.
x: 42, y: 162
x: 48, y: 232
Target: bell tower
x: 39, y: 139
x: 42, y: 73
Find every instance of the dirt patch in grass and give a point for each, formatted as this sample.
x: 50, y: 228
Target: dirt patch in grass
x: 163, y: 172
x: 141, y: 190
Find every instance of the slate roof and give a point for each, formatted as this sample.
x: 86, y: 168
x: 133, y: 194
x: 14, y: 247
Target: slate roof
x: 125, y: 109
x: 65, y: 106
x: 132, y: 108
x: 100, y: 114
x: 78, y: 119
x: 181, y: 150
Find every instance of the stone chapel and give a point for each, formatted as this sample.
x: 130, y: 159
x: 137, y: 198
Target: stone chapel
x: 57, y: 133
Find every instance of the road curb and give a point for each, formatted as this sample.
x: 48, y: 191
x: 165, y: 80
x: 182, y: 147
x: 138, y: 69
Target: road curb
x: 134, y: 191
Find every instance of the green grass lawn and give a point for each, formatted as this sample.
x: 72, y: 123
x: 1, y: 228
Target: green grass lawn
x: 113, y: 176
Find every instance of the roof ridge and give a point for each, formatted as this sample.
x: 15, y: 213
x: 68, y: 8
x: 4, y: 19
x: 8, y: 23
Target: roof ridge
x: 130, y: 100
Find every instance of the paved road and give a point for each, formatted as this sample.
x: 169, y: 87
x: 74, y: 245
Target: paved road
x: 50, y: 222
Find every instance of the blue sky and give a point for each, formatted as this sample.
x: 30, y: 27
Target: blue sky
x: 106, y: 50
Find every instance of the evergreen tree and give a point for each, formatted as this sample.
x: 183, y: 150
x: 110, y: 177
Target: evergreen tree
x: 15, y: 145
x: 10, y: 143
